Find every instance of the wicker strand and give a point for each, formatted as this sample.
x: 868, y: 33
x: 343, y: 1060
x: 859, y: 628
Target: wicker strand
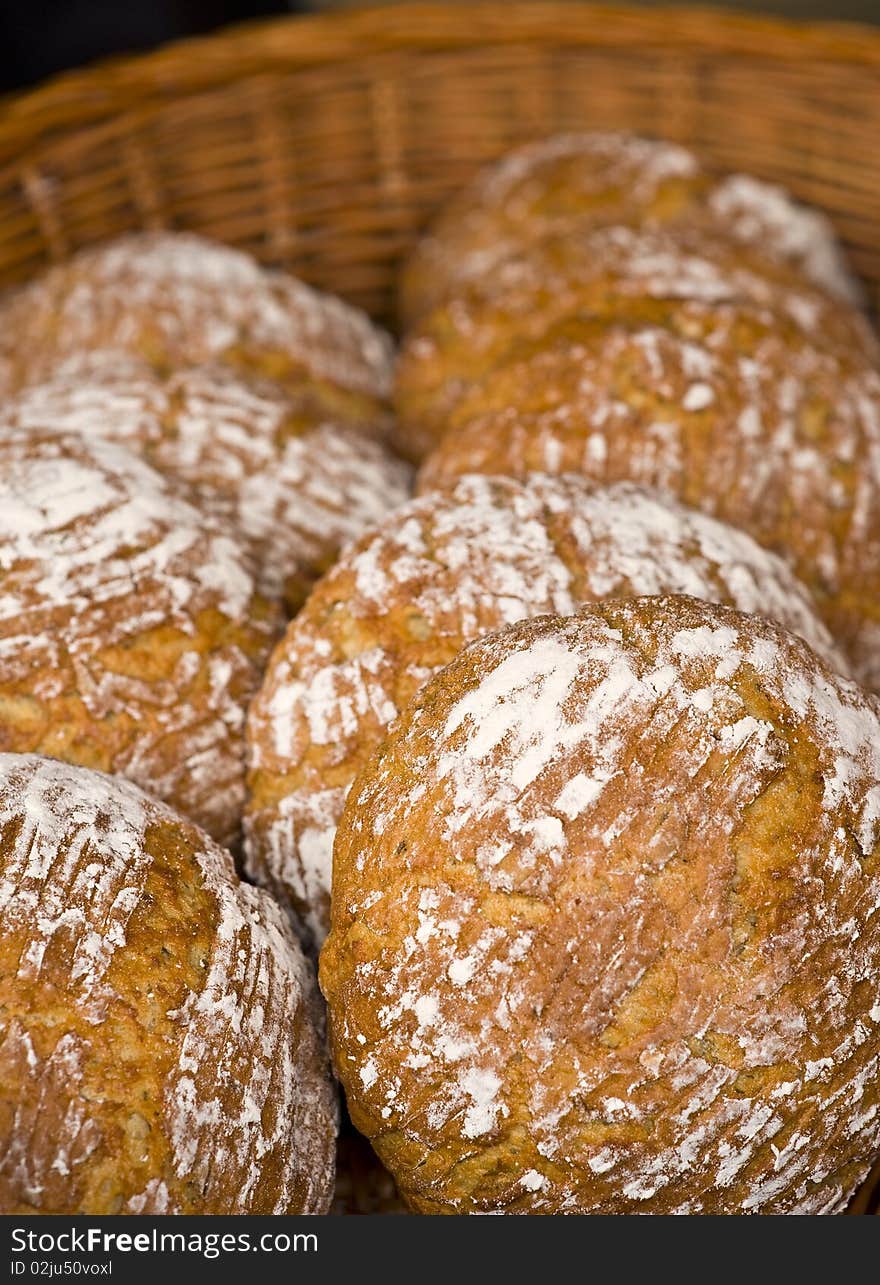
x: 143, y: 182
x: 40, y: 193
x: 323, y: 144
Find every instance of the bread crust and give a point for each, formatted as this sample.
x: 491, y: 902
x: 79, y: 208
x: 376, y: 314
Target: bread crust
x: 436, y: 574
x: 159, y: 1046
x: 725, y: 407
x: 572, y: 181
x: 604, y: 923
x: 176, y: 299
x: 131, y: 634
x: 623, y: 274
x: 295, y: 473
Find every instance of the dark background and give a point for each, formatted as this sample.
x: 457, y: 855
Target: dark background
x: 45, y: 36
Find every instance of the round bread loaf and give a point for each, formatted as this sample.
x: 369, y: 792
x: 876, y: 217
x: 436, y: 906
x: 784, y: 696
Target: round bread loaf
x: 436, y: 574
x: 614, y: 273
x: 175, y: 300
x: 572, y: 181
x: 131, y: 636
x: 159, y: 1045
x: 605, y: 936
x: 727, y: 408
x: 287, y: 470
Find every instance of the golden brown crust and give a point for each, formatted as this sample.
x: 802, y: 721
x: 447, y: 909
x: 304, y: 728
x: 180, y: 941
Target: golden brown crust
x: 131, y: 636
x: 296, y: 472
x: 158, y: 1039
x: 175, y: 299
x: 622, y: 274
x: 572, y: 181
x: 433, y: 576
x: 604, y: 931
x: 726, y: 408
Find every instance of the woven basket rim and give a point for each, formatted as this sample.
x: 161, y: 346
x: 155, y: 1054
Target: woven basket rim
x: 106, y: 87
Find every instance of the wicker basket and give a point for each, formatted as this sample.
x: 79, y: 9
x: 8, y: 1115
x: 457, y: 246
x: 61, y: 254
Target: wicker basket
x: 322, y: 144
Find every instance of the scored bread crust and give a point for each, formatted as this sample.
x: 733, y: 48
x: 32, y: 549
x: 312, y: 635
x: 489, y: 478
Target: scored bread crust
x: 613, y: 273
x: 433, y: 576
x: 726, y: 408
x: 571, y: 181
x: 295, y: 473
x: 131, y: 634
x: 159, y: 1030
x: 176, y: 299
x: 605, y: 932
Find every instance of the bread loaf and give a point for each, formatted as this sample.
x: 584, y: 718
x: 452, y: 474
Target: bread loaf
x: 437, y: 574
x: 604, y: 931
x: 159, y: 1037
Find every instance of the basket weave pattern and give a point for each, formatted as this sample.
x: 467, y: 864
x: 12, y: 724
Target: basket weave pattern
x: 322, y: 145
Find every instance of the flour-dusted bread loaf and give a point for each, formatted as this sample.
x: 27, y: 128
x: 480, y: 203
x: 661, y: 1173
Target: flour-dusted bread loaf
x: 605, y: 935
x: 436, y: 574
x: 619, y: 273
x: 572, y: 181
x: 176, y: 299
x: 159, y: 1032
x: 294, y: 473
x: 131, y: 634
x: 727, y: 407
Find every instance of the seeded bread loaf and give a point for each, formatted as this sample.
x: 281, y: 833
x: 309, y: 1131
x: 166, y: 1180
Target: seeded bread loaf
x: 572, y: 181
x: 160, y: 1046
x: 436, y: 574
x: 728, y: 407
x: 614, y: 274
x: 294, y: 473
x: 131, y: 634
x: 175, y: 299
x: 604, y: 932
